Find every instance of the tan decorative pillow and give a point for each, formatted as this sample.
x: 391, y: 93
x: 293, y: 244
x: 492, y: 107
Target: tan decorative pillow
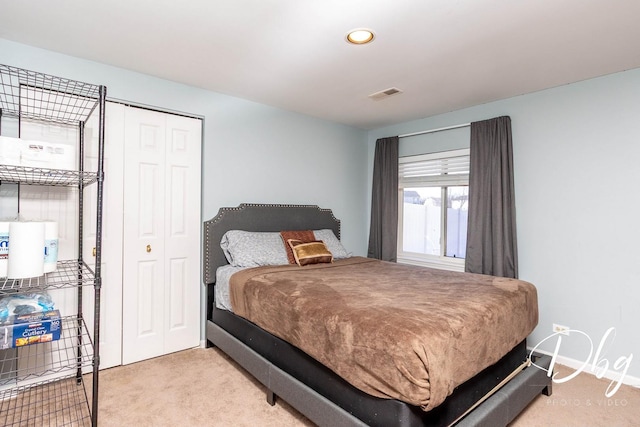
x: 306, y: 253
x: 302, y: 236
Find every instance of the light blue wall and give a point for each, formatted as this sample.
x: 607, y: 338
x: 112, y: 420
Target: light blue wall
x: 252, y: 152
x: 576, y: 152
x: 577, y: 169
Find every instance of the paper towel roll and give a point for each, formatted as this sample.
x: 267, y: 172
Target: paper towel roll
x: 26, y: 257
x: 4, y: 247
x: 50, y: 246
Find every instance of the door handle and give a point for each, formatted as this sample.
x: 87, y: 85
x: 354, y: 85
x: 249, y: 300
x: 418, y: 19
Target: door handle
x: 148, y: 248
x: 94, y: 252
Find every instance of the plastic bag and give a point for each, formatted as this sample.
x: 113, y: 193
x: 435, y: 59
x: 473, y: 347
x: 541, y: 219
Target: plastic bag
x: 24, y: 304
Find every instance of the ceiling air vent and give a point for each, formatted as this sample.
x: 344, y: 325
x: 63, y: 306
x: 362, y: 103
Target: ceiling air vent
x: 385, y: 93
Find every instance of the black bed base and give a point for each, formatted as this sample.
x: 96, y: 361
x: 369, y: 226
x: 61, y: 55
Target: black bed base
x: 327, y: 399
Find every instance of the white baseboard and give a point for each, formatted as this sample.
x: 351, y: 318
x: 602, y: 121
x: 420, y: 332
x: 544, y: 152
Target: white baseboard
x: 577, y: 364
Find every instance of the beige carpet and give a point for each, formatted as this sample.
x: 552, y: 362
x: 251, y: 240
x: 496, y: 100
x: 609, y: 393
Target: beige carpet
x: 203, y: 387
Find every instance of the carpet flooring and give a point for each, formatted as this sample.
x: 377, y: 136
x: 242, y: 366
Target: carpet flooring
x: 203, y: 387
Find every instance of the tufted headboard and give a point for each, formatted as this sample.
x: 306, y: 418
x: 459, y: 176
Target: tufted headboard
x: 259, y: 217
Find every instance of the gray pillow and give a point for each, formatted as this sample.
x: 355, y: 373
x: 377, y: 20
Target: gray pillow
x: 333, y: 244
x: 253, y: 249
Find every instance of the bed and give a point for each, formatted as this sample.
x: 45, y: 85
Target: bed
x: 493, y: 396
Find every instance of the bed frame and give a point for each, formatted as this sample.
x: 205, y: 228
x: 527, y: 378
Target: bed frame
x: 318, y: 393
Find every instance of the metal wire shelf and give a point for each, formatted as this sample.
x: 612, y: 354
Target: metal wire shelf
x: 60, y: 402
x: 37, y: 96
x: 41, y: 176
x: 28, y: 393
x: 69, y: 274
x: 73, y: 351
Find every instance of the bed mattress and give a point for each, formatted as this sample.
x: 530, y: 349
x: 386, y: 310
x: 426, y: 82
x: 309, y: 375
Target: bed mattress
x: 431, y: 329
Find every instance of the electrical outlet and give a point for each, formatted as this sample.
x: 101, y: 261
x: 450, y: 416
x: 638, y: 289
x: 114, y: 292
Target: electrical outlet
x: 564, y: 330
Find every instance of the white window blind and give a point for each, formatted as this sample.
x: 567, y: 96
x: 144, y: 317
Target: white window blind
x: 437, y: 169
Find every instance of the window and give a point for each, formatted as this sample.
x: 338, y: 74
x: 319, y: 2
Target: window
x: 433, y: 209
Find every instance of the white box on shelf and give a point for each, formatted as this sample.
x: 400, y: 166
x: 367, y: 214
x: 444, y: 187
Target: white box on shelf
x: 48, y: 155
x: 62, y: 156
x: 33, y: 154
x: 10, y: 151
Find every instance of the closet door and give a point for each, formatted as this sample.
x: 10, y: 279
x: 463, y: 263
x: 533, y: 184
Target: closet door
x: 182, y: 233
x: 143, y: 252
x: 161, y: 251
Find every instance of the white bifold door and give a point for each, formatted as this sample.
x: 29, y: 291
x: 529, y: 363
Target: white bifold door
x: 161, y: 268
x: 155, y: 306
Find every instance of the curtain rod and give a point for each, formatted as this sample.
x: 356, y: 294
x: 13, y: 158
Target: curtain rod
x: 464, y: 125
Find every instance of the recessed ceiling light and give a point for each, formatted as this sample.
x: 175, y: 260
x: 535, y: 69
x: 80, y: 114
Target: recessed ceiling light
x: 360, y: 36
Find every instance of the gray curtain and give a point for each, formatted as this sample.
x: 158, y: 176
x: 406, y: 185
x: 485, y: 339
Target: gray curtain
x: 491, y: 232
x: 383, y: 233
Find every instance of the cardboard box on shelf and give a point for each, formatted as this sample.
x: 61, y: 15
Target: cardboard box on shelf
x: 32, y: 328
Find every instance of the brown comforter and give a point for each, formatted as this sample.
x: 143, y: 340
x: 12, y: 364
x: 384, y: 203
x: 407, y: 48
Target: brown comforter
x: 391, y: 330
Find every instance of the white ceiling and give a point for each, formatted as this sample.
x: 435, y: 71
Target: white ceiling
x: 444, y: 54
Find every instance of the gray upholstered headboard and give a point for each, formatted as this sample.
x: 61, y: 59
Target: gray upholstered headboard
x: 259, y: 217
